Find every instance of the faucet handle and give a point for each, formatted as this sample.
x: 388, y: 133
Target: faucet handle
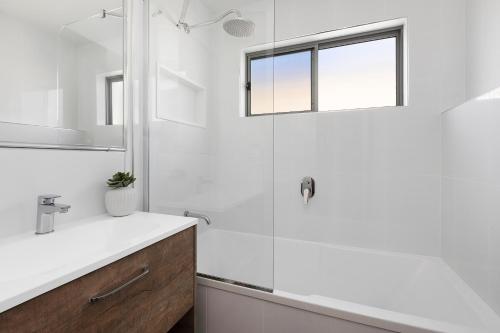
x: 307, y: 188
x: 47, y: 199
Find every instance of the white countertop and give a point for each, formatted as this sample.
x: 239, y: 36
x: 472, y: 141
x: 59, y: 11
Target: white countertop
x: 31, y: 265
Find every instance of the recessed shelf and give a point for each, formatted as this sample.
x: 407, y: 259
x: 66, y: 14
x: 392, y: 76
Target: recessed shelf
x: 180, y: 99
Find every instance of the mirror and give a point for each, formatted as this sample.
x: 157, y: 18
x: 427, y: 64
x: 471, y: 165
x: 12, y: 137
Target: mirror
x: 63, y: 80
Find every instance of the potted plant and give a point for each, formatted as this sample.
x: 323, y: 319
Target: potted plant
x: 121, y: 198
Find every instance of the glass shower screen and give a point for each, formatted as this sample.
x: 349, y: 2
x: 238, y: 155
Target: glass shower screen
x: 206, y: 155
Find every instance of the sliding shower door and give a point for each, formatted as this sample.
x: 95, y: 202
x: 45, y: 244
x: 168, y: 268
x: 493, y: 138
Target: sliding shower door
x: 207, y: 153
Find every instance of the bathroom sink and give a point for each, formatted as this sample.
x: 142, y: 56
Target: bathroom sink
x: 33, y: 264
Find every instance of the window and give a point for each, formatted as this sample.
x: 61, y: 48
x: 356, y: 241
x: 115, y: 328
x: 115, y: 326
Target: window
x: 354, y: 72
x: 282, y: 82
x: 114, y: 100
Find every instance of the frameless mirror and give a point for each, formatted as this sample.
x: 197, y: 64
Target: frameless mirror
x: 63, y: 80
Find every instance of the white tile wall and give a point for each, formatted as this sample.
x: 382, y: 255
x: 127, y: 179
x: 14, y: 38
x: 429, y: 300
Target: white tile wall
x: 378, y: 172
x: 79, y: 176
x: 224, y: 170
x: 471, y: 191
x: 376, y: 185
x: 483, y: 26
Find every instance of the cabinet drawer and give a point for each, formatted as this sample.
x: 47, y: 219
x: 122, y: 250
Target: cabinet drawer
x: 153, y: 302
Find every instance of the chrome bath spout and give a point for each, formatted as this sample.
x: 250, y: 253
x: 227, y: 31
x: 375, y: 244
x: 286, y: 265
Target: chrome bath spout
x: 198, y: 216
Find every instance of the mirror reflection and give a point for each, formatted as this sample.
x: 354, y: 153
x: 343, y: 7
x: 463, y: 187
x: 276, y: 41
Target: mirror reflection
x: 63, y: 79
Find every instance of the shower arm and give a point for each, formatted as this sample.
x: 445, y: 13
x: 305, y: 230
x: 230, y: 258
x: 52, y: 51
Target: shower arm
x: 103, y: 13
x: 114, y: 15
x: 188, y: 27
x: 185, y: 6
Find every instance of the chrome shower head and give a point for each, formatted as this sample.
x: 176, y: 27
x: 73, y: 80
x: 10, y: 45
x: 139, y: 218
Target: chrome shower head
x: 239, y: 27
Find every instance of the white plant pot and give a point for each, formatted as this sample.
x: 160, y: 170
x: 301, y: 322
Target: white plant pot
x: 121, y: 201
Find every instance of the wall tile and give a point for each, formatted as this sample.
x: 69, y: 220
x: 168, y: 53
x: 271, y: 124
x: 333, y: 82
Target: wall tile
x: 471, y: 192
x: 78, y: 176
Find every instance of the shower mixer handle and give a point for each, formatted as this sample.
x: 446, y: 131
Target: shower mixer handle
x: 307, y: 189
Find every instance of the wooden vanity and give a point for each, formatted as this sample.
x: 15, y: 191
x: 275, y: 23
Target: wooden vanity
x: 148, y: 291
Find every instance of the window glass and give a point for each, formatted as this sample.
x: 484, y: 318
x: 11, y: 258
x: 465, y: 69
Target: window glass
x: 261, y: 91
x: 363, y: 71
x: 114, y: 100
x: 292, y: 82
x: 117, y: 102
x: 281, y: 83
x: 362, y: 75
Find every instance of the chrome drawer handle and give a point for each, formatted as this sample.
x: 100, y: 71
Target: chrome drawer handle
x: 97, y: 298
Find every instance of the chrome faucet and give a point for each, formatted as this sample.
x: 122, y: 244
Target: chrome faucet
x: 205, y: 218
x: 45, y: 212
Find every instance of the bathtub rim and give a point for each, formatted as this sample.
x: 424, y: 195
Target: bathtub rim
x: 366, y: 315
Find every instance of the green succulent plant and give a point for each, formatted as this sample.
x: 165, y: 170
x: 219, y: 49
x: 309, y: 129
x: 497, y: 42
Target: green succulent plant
x: 121, y: 179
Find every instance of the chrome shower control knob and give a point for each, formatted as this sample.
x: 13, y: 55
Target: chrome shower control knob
x: 307, y: 189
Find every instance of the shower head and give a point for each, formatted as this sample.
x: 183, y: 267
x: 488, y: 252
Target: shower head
x: 239, y: 27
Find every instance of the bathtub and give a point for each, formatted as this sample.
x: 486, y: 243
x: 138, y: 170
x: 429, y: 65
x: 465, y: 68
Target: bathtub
x: 390, y: 291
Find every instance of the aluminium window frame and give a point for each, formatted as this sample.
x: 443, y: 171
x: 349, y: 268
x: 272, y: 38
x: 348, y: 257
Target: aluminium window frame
x: 314, y: 47
x: 109, y: 96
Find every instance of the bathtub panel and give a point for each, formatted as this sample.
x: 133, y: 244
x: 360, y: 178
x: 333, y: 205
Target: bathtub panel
x: 201, y: 309
x: 284, y: 319
x: 228, y: 312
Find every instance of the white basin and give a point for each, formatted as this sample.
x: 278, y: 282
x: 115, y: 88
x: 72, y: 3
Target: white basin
x: 34, y: 264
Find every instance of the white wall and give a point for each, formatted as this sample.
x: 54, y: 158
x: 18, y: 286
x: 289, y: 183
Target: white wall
x: 28, y: 86
x: 93, y: 60
x: 78, y: 176
x: 377, y: 172
x: 483, y: 30
x: 244, y: 146
x: 30, y: 70
x: 471, y: 160
x: 471, y: 191
x: 180, y: 154
x: 223, y: 169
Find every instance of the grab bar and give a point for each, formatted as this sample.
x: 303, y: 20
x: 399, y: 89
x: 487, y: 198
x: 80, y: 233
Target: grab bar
x: 205, y: 218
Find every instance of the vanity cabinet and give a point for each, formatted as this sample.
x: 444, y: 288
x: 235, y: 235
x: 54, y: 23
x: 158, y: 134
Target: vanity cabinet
x: 148, y: 291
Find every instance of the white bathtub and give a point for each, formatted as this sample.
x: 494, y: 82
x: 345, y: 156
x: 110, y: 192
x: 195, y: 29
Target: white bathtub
x: 393, y: 291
